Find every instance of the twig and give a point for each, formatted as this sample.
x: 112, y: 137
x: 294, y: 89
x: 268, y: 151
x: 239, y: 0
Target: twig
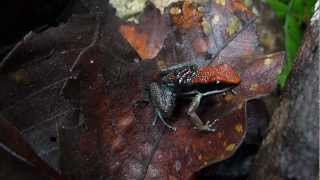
x: 14, y: 49
x: 92, y: 44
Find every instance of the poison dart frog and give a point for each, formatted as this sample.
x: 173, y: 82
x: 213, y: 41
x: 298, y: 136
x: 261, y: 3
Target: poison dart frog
x: 189, y: 80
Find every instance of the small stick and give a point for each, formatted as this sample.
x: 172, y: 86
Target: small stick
x: 15, y: 48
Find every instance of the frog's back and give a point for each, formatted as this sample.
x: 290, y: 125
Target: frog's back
x: 222, y: 73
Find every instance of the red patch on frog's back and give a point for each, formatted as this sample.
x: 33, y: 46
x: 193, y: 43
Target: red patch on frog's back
x: 211, y: 74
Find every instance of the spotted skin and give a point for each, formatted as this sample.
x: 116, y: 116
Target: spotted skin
x: 223, y: 73
x: 185, y: 77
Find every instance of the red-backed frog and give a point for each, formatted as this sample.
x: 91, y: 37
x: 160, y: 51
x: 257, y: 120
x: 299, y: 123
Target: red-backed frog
x: 189, y: 80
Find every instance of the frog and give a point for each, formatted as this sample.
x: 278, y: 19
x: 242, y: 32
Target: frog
x: 192, y: 81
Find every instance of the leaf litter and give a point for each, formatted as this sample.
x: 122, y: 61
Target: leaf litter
x: 107, y: 130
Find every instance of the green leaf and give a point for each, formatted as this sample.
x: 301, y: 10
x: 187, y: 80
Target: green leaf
x: 293, y: 36
x: 298, y: 12
x: 296, y: 8
x: 278, y: 7
x: 294, y: 13
x: 309, y: 7
x: 302, y: 9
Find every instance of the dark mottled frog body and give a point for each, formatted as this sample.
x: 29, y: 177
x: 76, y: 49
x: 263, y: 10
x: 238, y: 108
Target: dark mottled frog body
x: 188, y: 80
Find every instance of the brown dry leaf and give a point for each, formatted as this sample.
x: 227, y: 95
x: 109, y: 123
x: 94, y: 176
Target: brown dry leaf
x: 13, y: 142
x: 238, y: 7
x: 186, y: 151
x: 147, y: 37
x: 219, y: 28
x: 185, y: 15
x: 95, y: 93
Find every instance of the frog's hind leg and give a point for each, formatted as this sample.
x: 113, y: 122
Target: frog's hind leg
x: 194, y: 106
x: 157, y: 116
x: 196, y: 119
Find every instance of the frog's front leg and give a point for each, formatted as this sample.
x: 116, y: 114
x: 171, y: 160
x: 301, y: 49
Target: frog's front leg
x: 163, y: 101
x: 195, y: 118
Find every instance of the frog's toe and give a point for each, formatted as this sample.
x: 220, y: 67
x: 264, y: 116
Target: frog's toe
x: 211, y: 123
x: 208, y: 126
x: 158, y: 115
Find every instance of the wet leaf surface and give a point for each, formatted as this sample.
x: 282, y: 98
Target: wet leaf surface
x: 84, y: 77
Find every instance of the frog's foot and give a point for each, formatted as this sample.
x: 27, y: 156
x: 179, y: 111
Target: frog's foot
x: 208, y: 126
x: 196, y: 119
x: 157, y: 116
